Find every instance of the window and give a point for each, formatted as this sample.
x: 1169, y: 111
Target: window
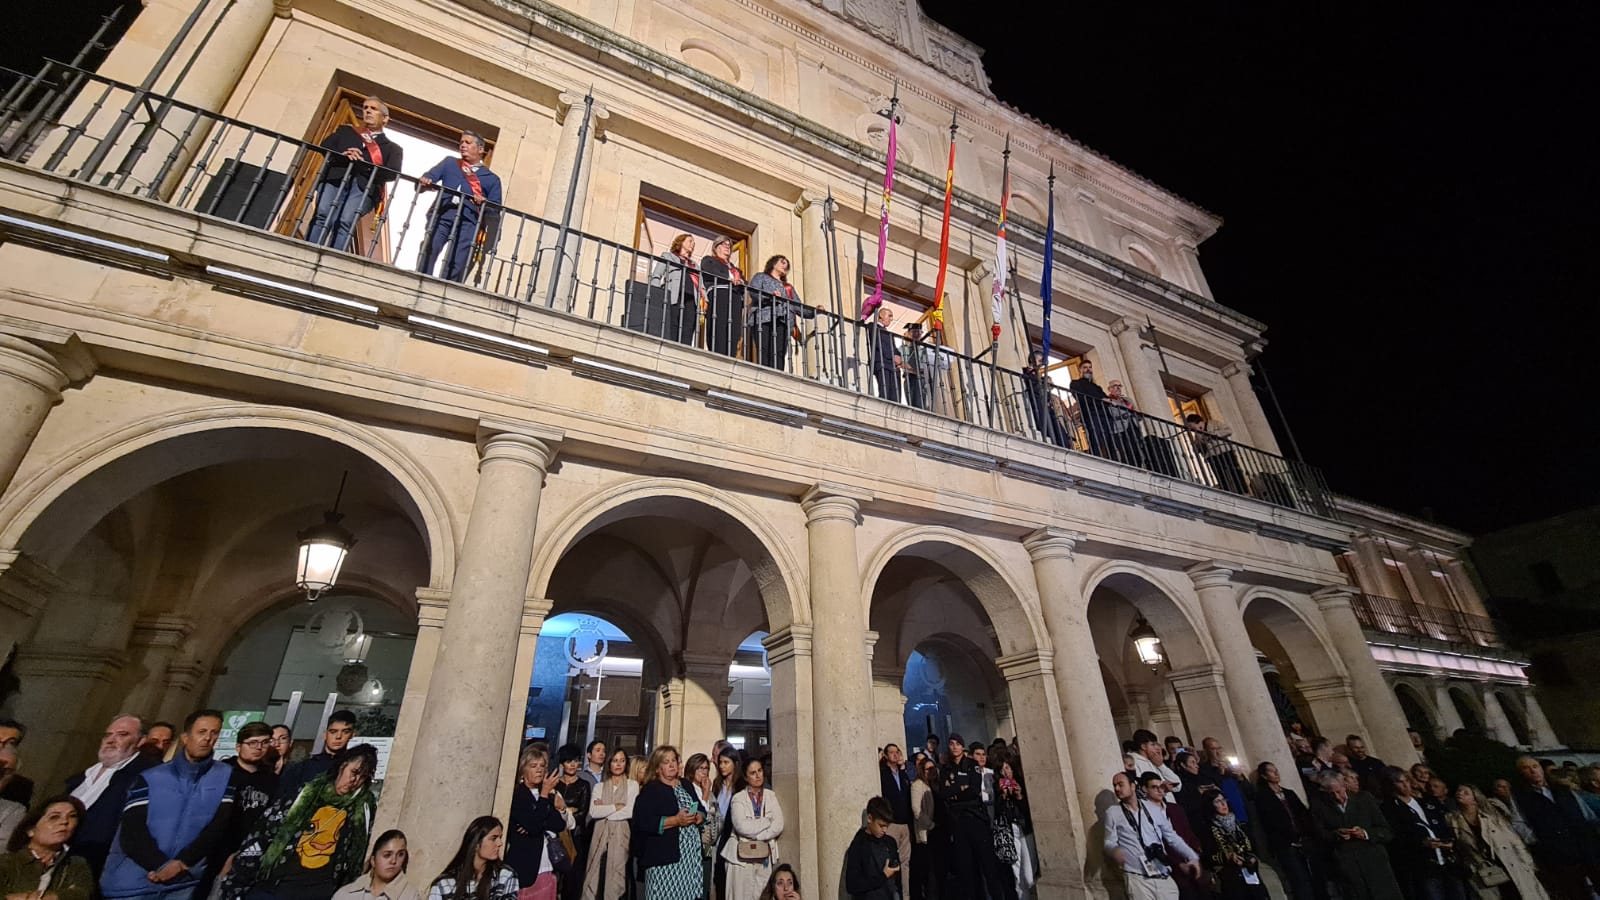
x: 1183, y: 404
x: 1546, y: 578
x: 659, y: 221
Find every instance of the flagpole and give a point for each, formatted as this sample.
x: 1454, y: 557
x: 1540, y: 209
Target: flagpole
x: 871, y: 304
x: 997, y: 293
x: 830, y: 244
x: 1155, y: 342
x: 944, y: 235
x: 1049, y: 272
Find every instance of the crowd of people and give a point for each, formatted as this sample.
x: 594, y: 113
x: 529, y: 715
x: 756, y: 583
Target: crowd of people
x: 1189, y: 824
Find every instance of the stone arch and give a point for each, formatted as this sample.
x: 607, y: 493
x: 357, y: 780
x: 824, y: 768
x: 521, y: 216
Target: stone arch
x: 1179, y: 624
x: 1516, y: 713
x: 1418, y: 707
x: 31, y: 501
x: 1141, y: 256
x: 1017, y: 624
x: 1469, y: 705
x: 1295, y: 629
x: 777, y: 574
x: 711, y: 58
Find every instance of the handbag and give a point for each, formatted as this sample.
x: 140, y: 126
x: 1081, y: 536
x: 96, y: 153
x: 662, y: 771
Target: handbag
x: 753, y: 851
x: 1489, y: 874
x: 561, y: 850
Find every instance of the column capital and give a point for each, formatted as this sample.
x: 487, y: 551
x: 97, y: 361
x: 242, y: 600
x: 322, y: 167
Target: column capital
x: 161, y: 630
x: 1335, y: 597
x: 870, y: 639
x: 566, y: 101
x: 432, y: 604
x: 184, y: 673
x: 825, y: 502
x: 64, y: 660
x: 28, y: 362
x: 525, y: 442
x: 534, y: 611
x: 1205, y: 676
x: 1124, y: 324
x: 1334, y: 687
x: 795, y: 640
x: 1212, y: 574
x: 1235, y: 369
x: 694, y: 664
x: 25, y: 584
x: 1027, y: 664
x: 808, y: 198
x: 981, y: 272
x: 1051, y: 542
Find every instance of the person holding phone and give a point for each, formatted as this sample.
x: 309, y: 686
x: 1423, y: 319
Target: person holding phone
x: 757, y: 822
x: 872, y: 862
x: 666, y: 828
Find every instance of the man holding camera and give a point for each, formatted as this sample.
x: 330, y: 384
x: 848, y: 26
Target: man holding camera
x: 1141, y: 844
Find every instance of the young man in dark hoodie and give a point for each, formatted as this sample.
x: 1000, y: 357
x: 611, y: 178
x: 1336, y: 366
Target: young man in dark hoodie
x: 872, y: 864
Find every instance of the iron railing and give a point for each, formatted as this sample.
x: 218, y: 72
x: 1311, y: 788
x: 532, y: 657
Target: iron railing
x: 1397, y: 616
x: 76, y: 124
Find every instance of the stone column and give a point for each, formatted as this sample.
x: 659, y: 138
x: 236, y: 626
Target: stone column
x: 1257, y: 431
x: 1005, y: 725
x: 1332, y: 704
x: 183, y: 677
x: 151, y: 648
x: 1143, y: 370
x: 1260, y: 729
x: 704, y: 701
x: 454, y: 779
x: 888, y: 699
x: 1544, y: 736
x: 534, y: 612
x: 1384, y: 582
x: 1188, y: 256
x: 669, y: 712
x: 794, y: 764
x: 1495, y: 720
x: 1139, y: 705
x: 1450, y: 720
x: 1203, y: 693
x: 1466, y: 589
x: 31, y: 381
x: 1166, y: 716
x: 432, y: 604
x: 25, y: 588
x: 1042, y: 734
x: 1380, y: 709
x: 55, y: 678
x: 1093, y: 749
x: 841, y: 673
x: 570, y: 154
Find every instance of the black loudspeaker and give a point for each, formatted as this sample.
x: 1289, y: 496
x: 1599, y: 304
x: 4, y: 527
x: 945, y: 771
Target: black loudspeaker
x: 229, y: 188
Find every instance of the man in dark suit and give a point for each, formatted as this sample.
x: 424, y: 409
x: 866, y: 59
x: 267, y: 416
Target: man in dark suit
x: 1091, y: 400
x: 1290, y: 834
x: 885, y: 356
x: 361, y: 163
x: 103, y: 788
x: 895, y: 787
x: 1423, y: 849
x: 1356, y: 832
x: 1565, y: 849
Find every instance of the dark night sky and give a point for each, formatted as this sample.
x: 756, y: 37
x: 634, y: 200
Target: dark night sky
x: 1410, y: 202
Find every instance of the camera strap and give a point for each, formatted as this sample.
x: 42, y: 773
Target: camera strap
x: 1137, y: 823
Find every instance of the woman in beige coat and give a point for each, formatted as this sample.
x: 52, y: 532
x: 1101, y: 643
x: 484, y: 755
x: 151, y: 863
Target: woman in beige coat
x: 1485, y: 844
x: 757, y: 822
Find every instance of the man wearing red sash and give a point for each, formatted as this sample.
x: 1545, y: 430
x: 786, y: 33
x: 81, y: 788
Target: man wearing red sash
x: 361, y: 162
x: 469, y: 199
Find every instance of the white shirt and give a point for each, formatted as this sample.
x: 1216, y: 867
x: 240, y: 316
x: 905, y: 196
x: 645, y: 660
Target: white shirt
x: 1142, y: 765
x: 96, y: 779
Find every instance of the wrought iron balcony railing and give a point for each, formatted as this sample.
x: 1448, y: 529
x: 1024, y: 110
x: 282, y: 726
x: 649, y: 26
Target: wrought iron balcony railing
x: 1407, y: 617
x: 101, y: 132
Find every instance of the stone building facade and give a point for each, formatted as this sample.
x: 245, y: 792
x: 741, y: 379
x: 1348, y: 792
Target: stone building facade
x: 186, y: 391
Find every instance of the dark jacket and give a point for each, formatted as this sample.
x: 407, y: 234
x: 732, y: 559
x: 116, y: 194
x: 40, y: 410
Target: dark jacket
x: 1364, y: 872
x: 1558, y: 824
x: 345, y: 138
x: 961, y: 787
x: 654, y: 845
x: 863, y: 867
x: 1285, y: 822
x: 19, y: 790
x: 531, y: 818
x: 1407, y: 852
x: 92, y: 841
x: 899, y: 797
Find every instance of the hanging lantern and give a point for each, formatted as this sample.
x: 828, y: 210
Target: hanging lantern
x: 323, y: 549
x: 1146, y: 643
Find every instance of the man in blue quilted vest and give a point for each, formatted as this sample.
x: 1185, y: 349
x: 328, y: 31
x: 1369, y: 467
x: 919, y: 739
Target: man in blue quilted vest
x: 174, y: 815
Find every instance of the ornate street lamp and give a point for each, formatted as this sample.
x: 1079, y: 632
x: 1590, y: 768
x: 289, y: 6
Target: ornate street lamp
x: 1146, y: 642
x: 322, y: 551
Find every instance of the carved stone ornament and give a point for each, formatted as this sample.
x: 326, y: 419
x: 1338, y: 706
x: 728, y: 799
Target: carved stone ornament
x: 879, y: 17
x: 953, y: 62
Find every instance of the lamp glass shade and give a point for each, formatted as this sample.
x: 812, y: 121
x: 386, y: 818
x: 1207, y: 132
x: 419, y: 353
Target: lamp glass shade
x: 1149, y: 647
x: 323, y: 549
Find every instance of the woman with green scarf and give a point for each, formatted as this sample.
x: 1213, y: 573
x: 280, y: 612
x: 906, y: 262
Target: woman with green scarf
x: 306, y: 845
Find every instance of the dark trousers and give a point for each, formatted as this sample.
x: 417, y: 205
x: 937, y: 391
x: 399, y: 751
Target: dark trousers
x: 452, y: 240
x: 917, y: 393
x: 977, y: 870
x: 1433, y: 883
x: 1127, y: 446
x: 922, y: 860
x: 1297, y: 876
x: 722, y: 318
x: 771, y: 341
x: 888, y: 378
x: 680, y: 321
x: 1225, y: 466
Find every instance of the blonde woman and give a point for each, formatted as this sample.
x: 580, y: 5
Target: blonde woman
x: 757, y: 822
x: 666, y: 822
x: 611, y: 811
x: 638, y: 767
x: 1490, y: 850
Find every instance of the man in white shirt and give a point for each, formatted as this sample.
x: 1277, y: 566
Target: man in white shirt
x: 1149, y: 757
x: 1141, y: 845
x: 103, y: 788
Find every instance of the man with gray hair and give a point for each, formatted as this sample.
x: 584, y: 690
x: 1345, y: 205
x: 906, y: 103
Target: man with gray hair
x: 103, y: 788
x: 361, y: 163
x: 469, y: 202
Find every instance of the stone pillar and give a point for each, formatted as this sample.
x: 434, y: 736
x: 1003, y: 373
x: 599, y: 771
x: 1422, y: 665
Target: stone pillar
x: 1544, y: 736
x: 1332, y: 705
x: 25, y: 588
x: 54, y: 680
x: 669, y: 713
x: 1166, y: 716
x: 151, y: 648
x: 1203, y: 693
x: 794, y: 764
x: 183, y: 677
x: 1384, y: 581
x: 1005, y: 725
x: 1495, y: 720
x: 1256, y: 430
x: 1450, y: 720
x: 1466, y: 589
x: 1260, y: 730
x: 1188, y: 256
x: 1139, y: 706
x: 841, y: 673
x: 1429, y: 591
x: 432, y: 604
x: 454, y: 780
x: 1380, y: 709
x: 888, y: 698
x: 31, y: 381
x: 1042, y: 734
x: 534, y: 612
x: 1143, y: 370
x: 704, y: 701
x: 570, y: 154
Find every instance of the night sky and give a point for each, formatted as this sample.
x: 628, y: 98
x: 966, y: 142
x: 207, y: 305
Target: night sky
x: 1410, y: 201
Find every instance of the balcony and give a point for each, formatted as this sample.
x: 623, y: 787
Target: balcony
x: 1392, y: 616
x: 79, y: 126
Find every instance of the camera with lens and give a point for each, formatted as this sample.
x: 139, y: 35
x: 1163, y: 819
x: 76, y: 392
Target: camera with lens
x: 1156, y: 853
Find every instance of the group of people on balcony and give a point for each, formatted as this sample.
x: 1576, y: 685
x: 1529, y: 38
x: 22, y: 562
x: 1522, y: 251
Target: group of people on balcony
x: 1189, y: 825
x: 753, y: 320
x: 360, y: 165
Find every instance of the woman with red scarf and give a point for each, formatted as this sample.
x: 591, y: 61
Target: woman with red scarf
x: 724, y: 285
x: 679, y: 278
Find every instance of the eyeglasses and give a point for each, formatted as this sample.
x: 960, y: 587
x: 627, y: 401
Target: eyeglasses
x: 11, y: 742
x: 256, y: 743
